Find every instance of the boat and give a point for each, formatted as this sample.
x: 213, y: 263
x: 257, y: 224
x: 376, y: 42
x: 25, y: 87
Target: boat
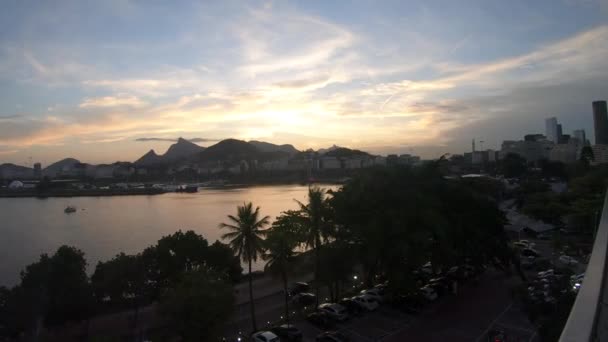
x: 69, y: 209
x: 187, y: 188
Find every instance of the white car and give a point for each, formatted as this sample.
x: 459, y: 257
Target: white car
x: 336, y: 311
x: 567, y: 260
x: 265, y: 336
x: 428, y: 293
x: 547, y: 273
x: 375, y: 293
x: 367, y: 302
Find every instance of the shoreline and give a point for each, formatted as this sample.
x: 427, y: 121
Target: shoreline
x: 28, y: 193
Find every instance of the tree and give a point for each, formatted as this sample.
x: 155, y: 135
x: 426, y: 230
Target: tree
x: 587, y: 155
x: 246, y: 240
x: 513, y: 166
x: 280, y: 244
x: 52, y: 291
x: 121, y: 282
x: 173, y: 255
x: 198, y: 306
x: 315, y: 226
x: 221, y: 259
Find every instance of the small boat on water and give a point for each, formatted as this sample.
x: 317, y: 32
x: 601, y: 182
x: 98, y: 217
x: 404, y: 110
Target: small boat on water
x: 188, y: 188
x: 69, y: 209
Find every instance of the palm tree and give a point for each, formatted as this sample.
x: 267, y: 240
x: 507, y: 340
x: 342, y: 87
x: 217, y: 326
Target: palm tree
x: 280, y: 244
x: 246, y: 240
x: 315, y: 226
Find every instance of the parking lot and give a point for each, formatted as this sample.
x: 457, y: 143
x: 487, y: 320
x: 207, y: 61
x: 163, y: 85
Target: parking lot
x: 469, y: 316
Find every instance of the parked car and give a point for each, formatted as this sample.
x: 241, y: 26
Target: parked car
x: 567, y: 260
x: 298, y: 287
x: 264, y: 336
x: 429, y: 293
x: 353, y: 307
x: 367, y: 302
x: 377, y: 294
x: 336, y: 311
x: 304, y: 299
x: 530, y: 252
x: 544, y: 236
x: 287, y: 332
x: 546, y: 273
x: 321, y: 319
x: 331, y: 336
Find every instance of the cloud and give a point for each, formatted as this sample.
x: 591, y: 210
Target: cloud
x: 112, y: 101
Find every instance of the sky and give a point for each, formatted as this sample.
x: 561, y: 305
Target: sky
x: 102, y: 81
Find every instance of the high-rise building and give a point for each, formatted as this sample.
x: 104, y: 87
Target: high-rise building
x: 580, y: 135
x: 600, y: 122
x: 559, y: 134
x: 551, y: 130
x: 37, y: 170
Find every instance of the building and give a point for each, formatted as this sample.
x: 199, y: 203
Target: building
x: 37, y: 170
x: 552, y: 129
x: 600, y: 154
x: 580, y: 135
x: 566, y: 153
x: 600, y: 122
x: 328, y: 163
x: 531, y: 149
x: 353, y: 163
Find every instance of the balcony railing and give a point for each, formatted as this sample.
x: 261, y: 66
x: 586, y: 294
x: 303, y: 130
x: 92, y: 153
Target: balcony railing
x: 588, y: 320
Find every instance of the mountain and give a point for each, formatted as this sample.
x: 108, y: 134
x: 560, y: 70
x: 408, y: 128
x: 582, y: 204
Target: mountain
x: 268, y: 147
x: 343, y: 152
x: 148, y: 159
x: 325, y: 150
x: 229, y: 149
x: 56, y: 168
x: 181, y: 149
x: 8, y: 171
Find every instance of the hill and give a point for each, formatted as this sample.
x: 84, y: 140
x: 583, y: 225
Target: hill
x: 180, y: 150
x: 229, y: 149
x: 268, y: 147
x: 8, y: 171
x: 148, y: 159
x: 54, y: 169
x: 343, y: 152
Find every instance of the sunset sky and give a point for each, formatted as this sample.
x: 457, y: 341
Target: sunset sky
x: 87, y: 79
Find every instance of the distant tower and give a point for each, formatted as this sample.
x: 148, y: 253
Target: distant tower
x: 473, y: 145
x: 37, y: 170
x: 551, y: 130
x: 580, y: 135
x: 600, y: 122
x: 559, y: 134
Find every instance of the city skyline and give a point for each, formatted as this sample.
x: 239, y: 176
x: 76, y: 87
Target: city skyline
x: 113, y: 80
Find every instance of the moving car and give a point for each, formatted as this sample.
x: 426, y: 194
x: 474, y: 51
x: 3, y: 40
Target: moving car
x: 367, y: 302
x: 336, y: 311
x: 288, y: 332
x: 264, y: 336
x: 331, y: 336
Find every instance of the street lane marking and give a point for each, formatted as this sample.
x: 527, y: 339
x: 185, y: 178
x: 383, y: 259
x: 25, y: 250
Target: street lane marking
x: 485, y: 332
